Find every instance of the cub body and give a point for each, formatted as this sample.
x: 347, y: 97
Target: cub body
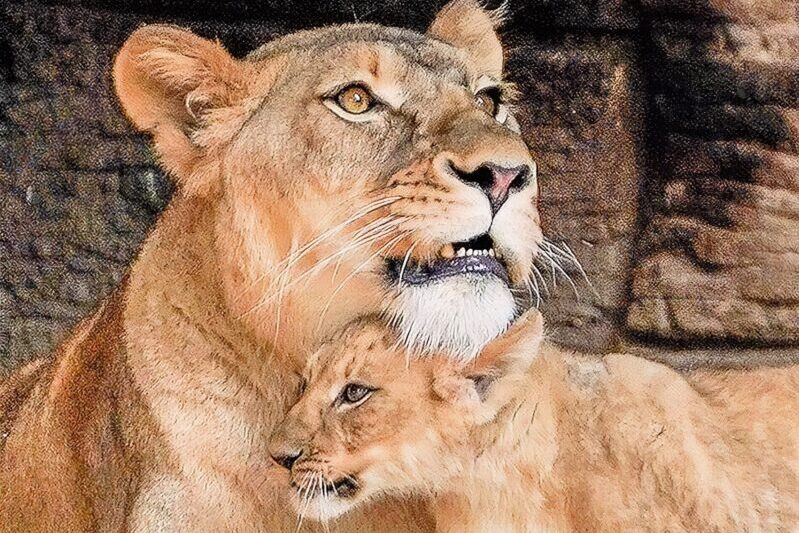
x: 529, y: 438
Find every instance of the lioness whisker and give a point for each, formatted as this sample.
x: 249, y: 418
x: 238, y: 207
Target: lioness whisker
x: 564, y: 251
x: 579, y: 265
x: 296, y: 256
x: 537, y: 273
x: 279, y: 306
x: 385, y: 248
x: 363, y: 241
x: 365, y: 210
x: 405, y: 263
x: 556, y: 267
x: 384, y: 230
x: 551, y: 269
x: 371, y: 226
x: 531, y: 289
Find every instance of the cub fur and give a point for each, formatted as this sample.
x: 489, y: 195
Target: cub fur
x: 529, y: 438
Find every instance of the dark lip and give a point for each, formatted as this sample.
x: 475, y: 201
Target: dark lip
x: 345, y: 487
x: 415, y: 273
x: 470, y: 265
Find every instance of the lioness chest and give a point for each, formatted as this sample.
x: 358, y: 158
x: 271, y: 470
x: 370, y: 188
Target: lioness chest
x: 103, y: 439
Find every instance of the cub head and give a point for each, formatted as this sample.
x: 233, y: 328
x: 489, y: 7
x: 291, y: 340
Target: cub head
x: 349, y: 170
x: 371, y: 422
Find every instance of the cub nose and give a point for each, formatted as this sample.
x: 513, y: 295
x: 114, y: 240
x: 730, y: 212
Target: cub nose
x: 497, y: 182
x: 286, y: 458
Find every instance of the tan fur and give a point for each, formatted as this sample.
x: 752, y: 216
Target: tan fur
x: 557, y: 442
x: 155, y: 414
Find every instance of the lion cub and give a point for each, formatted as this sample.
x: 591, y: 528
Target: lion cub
x: 528, y: 438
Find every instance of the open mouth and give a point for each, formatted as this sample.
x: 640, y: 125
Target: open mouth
x: 476, y: 257
x: 345, y: 487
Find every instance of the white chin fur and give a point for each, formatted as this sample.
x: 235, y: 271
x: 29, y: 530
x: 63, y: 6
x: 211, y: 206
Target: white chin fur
x: 457, y: 315
x: 322, y: 509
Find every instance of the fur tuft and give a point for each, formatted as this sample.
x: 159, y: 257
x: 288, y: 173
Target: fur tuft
x: 458, y: 316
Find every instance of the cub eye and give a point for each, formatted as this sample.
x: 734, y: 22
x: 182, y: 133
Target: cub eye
x: 354, y: 393
x: 355, y: 99
x: 488, y: 100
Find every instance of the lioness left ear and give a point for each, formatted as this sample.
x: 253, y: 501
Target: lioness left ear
x: 167, y: 79
x: 465, y: 24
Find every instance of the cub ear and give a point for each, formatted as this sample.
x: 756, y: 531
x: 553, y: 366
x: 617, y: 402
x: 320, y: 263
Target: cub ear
x: 506, y: 359
x: 465, y: 24
x: 167, y: 79
x: 514, y: 350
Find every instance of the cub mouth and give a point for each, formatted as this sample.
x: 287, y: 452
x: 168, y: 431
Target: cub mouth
x: 474, y: 258
x: 345, y: 487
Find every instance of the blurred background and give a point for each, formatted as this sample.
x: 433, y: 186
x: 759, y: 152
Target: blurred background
x: 666, y: 132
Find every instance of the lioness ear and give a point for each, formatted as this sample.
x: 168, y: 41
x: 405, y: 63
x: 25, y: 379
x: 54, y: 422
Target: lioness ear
x: 167, y: 79
x: 465, y: 24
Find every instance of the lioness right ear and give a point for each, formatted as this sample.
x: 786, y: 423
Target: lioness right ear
x: 167, y: 78
x: 467, y: 25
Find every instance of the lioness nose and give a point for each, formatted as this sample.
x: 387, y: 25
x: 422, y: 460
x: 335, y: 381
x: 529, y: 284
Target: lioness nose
x: 496, y: 181
x: 286, y: 458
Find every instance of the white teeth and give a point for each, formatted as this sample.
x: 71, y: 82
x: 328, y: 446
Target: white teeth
x: 465, y: 252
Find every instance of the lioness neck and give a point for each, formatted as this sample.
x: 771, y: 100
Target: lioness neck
x: 203, y: 379
x: 596, y: 444
x: 214, y: 390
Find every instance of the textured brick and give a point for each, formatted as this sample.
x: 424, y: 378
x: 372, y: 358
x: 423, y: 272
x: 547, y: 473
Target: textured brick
x: 721, y: 245
x: 774, y: 126
x: 717, y: 63
x: 580, y: 116
x: 750, y: 11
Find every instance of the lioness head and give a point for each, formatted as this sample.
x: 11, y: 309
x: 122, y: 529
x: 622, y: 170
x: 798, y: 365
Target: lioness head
x: 351, y: 170
x: 370, y: 422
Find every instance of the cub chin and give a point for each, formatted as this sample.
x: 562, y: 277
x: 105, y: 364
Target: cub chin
x: 527, y: 438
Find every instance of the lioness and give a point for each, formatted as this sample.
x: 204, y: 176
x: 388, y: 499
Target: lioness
x: 528, y: 438
x: 333, y: 173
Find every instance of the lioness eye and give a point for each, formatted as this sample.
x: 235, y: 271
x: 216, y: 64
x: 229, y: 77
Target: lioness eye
x: 355, y: 99
x: 354, y: 393
x: 488, y: 100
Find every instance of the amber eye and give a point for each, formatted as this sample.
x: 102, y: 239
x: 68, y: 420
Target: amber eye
x: 355, y: 99
x: 354, y: 393
x: 488, y: 100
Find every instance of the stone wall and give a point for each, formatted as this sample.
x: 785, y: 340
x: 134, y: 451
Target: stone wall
x: 581, y: 116
x: 683, y: 105
x: 720, y: 247
x: 79, y: 187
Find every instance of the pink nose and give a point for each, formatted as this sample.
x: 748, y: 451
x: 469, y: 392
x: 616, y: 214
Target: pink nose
x: 495, y: 181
